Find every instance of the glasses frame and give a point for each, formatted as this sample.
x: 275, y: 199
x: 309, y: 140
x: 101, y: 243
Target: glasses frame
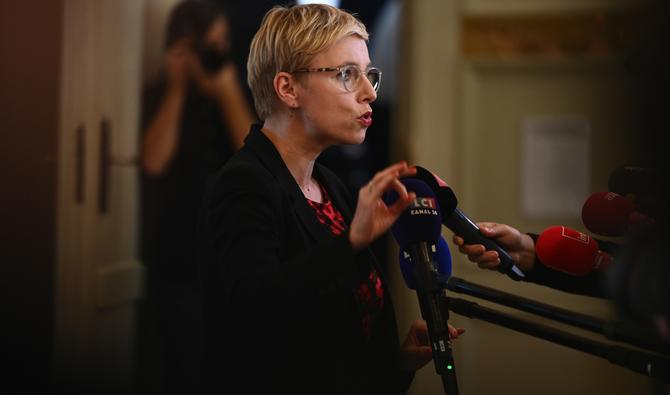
x: 341, y: 69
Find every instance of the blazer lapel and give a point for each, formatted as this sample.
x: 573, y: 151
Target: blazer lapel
x: 269, y: 156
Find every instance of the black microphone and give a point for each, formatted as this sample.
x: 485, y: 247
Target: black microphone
x: 417, y: 231
x: 459, y: 223
x: 640, y: 184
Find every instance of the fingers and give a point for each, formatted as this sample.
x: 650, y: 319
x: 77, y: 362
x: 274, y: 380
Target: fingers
x: 454, y: 333
x: 383, y: 182
x: 420, y: 329
x: 389, y: 179
x: 420, y: 325
x: 477, y: 253
x: 489, y: 264
x: 489, y: 229
x: 383, y: 178
x: 425, y: 351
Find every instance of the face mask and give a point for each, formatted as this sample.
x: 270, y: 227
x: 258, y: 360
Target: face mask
x: 213, y: 60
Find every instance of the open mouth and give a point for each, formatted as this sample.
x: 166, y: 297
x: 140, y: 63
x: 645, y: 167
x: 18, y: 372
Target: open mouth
x: 366, y: 119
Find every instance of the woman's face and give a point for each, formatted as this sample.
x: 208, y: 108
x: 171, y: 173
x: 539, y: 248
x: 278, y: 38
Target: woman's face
x: 218, y: 35
x: 331, y: 114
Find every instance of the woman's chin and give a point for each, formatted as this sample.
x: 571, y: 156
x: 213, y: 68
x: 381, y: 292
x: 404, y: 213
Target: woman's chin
x: 359, y: 137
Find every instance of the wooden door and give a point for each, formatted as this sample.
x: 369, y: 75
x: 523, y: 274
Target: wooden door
x: 99, y: 274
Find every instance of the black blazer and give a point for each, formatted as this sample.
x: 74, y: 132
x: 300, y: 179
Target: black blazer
x: 280, y: 314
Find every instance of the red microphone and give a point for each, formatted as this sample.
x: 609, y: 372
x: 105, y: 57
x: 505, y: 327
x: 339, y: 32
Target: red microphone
x: 610, y: 214
x: 570, y: 251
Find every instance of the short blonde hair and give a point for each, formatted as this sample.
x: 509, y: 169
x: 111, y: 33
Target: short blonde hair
x: 288, y: 39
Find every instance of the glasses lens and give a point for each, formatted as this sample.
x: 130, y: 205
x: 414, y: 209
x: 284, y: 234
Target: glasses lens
x: 375, y: 77
x: 350, y: 75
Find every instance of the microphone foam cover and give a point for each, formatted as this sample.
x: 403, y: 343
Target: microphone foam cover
x: 441, y: 257
x: 428, y: 177
x: 607, y: 213
x: 421, y: 221
x: 567, y: 250
x: 445, y: 195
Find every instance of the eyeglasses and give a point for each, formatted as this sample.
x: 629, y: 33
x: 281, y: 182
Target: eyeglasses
x: 350, y: 75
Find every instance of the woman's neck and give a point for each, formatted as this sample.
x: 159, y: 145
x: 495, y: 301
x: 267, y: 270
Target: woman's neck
x: 297, y: 152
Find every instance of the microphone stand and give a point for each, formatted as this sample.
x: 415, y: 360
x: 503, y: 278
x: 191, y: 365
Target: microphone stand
x: 435, y: 311
x: 652, y: 365
x: 613, y: 330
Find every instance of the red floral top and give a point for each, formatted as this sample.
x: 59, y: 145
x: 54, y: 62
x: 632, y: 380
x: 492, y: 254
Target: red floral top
x: 369, y: 293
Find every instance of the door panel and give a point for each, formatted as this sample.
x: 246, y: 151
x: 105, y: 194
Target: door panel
x: 100, y: 277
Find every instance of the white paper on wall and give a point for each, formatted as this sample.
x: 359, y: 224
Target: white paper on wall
x: 556, y: 165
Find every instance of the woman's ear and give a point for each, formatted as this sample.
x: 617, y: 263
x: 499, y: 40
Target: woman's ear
x: 285, y: 87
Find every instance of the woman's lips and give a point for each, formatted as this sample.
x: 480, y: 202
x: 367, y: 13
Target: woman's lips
x: 366, y: 119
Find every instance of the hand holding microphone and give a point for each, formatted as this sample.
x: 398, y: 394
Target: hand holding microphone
x: 519, y: 246
x: 558, y: 247
x: 459, y: 223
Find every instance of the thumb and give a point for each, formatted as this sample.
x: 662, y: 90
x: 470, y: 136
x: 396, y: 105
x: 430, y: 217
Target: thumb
x: 489, y: 229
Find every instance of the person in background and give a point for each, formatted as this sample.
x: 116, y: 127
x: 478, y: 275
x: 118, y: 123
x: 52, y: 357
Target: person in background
x: 294, y: 299
x: 194, y: 117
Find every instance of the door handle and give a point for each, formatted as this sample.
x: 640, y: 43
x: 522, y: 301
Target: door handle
x: 79, y: 158
x: 103, y: 183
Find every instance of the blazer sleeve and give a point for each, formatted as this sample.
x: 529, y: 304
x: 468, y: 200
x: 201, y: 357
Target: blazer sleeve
x: 591, y: 284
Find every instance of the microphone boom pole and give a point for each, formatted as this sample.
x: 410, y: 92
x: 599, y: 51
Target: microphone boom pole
x: 435, y: 312
x: 616, y: 331
x: 652, y: 365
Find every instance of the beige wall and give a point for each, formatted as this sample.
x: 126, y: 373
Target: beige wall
x: 462, y: 119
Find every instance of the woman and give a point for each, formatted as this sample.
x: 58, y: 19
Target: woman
x: 294, y: 300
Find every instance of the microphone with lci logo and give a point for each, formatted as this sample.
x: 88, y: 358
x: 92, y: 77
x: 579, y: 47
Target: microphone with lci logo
x: 417, y: 230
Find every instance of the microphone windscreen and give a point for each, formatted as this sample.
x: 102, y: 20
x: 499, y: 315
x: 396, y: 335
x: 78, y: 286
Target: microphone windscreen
x: 441, y: 257
x: 567, y: 250
x: 607, y: 213
x: 428, y: 177
x: 445, y: 195
x: 422, y: 220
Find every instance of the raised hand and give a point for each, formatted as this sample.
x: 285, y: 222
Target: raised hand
x: 177, y: 63
x: 373, y: 217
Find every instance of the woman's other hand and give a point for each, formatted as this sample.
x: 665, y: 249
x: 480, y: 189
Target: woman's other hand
x: 416, y: 351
